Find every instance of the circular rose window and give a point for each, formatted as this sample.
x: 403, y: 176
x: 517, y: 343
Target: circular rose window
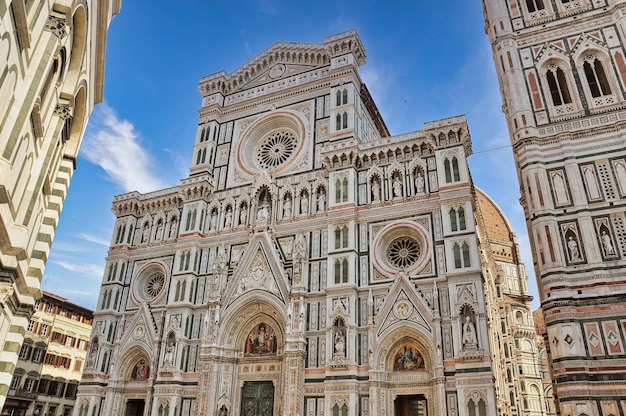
x: 401, y: 246
x: 403, y: 252
x: 149, y: 284
x: 274, y: 142
x: 276, y: 149
x: 154, y: 285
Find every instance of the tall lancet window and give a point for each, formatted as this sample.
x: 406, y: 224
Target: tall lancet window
x: 596, y: 77
x: 534, y: 5
x: 558, y: 86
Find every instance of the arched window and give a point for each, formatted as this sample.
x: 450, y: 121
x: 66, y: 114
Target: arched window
x: 456, y: 250
x: 343, y: 411
x: 199, y: 157
x: 446, y: 167
x: 177, y: 295
x: 338, y: 122
x: 453, y: 223
x: 476, y: 407
x: 338, y: 103
x: 344, y: 119
x: 461, y: 213
x: 344, y: 96
x: 455, y: 169
x: 341, y: 190
x: 596, y: 77
x: 341, y: 271
x: 559, y: 90
x: 466, y: 255
x: 534, y: 5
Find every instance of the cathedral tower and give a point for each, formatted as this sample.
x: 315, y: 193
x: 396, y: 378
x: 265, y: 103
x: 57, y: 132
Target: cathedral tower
x: 562, y: 75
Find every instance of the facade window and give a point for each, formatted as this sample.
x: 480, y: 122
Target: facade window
x: 37, y: 355
x: 43, y: 330
x: 596, y: 77
x: 15, y: 382
x: 31, y: 326
x: 29, y: 384
x: 461, y: 255
x: 457, y: 219
x: 341, y: 190
x: 451, y: 168
x: 341, y: 237
x: 559, y: 90
x: 343, y: 411
x: 342, y: 121
x: 342, y: 97
x: 476, y: 408
x: 534, y: 5
x: 341, y: 271
x: 25, y: 352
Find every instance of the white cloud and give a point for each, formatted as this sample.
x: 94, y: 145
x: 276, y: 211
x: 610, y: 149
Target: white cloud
x: 89, y: 270
x: 114, y: 145
x: 93, y: 239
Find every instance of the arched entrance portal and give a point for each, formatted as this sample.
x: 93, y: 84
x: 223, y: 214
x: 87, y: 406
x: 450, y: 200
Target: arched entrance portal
x: 410, y: 405
x: 257, y: 398
x: 135, y: 407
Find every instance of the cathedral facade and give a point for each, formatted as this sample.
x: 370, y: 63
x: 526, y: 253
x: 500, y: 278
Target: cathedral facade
x: 562, y: 70
x: 311, y: 263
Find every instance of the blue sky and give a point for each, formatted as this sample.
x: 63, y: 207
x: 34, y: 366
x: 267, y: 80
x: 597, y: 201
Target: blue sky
x: 426, y: 60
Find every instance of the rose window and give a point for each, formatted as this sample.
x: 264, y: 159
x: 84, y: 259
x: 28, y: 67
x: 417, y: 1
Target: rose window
x: 403, y: 252
x: 276, y: 149
x: 154, y: 285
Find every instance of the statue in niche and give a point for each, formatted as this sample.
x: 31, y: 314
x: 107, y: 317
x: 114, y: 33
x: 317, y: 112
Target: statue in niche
x: 408, y: 358
x: 321, y: 200
x: 93, y: 353
x: 228, y: 218
x: 397, y: 187
x: 375, y: 189
x: 261, y: 341
x: 213, y: 222
x: 243, y: 214
x: 572, y: 246
x: 263, y: 213
x: 304, y: 203
x: 223, y: 411
x: 159, y: 230
x: 419, y: 182
x: 173, y: 227
x: 287, y: 206
x: 145, y: 235
x: 607, y: 243
x: 299, y: 250
x: 340, y: 344
x: 469, y: 333
x: 170, y: 344
x: 141, y: 371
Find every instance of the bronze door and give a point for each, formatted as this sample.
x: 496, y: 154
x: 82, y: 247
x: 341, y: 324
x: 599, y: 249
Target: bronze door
x: 257, y: 398
x: 411, y: 406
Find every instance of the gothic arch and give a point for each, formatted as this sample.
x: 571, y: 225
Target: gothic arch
x: 247, y: 312
x: 79, y: 41
x: 129, y: 360
x: 398, y: 336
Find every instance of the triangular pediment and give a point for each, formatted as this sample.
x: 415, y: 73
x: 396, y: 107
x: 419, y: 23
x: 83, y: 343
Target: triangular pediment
x: 284, y: 60
x: 403, y: 305
x: 141, y: 330
x: 259, y: 270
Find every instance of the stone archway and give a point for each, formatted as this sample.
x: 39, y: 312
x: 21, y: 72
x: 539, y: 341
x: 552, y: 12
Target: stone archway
x: 406, y: 376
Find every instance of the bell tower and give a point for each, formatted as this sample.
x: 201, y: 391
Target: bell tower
x: 562, y: 75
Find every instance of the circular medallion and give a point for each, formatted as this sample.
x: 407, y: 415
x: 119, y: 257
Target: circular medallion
x: 403, y: 252
x: 154, y: 285
x: 149, y: 284
x: 402, y: 309
x: 277, y: 71
x: 276, y: 149
x: 401, y: 246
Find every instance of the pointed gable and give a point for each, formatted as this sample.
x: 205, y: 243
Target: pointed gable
x: 283, y: 60
x: 259, y: 269
x: 140, y: 331
x: 403, y: 305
